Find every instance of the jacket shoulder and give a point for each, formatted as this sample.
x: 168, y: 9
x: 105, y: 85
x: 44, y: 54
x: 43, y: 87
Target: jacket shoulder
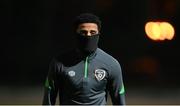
x: 107, y: 59
x: 102, y: 55
x: 68, y: 58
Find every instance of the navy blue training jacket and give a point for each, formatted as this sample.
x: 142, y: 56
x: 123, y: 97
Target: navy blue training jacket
x: 84, y: 80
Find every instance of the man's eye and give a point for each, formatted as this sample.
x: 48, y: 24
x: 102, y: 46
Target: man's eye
x: 83, y: 32
x: 93, y: 32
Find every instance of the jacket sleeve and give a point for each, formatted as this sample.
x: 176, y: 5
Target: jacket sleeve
x: 51, y: 88
x: 116, y: 86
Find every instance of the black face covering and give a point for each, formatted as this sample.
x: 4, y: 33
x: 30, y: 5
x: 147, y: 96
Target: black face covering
x: 88, y: 44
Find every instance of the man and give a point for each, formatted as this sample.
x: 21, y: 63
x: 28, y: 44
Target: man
x: 86, y: 75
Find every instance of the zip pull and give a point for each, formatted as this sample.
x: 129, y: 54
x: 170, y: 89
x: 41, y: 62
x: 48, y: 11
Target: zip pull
x: 86, y: 67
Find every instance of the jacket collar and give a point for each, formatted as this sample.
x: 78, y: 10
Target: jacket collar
x: 83, y: 56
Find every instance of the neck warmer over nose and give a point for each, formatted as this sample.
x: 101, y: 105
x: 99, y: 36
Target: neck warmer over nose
x: 87, y: 44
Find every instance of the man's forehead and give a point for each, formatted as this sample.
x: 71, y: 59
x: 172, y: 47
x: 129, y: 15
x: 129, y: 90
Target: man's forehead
x: 88, y: 25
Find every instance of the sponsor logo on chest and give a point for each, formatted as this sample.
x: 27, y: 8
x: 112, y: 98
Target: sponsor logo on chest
x: 71, y: 73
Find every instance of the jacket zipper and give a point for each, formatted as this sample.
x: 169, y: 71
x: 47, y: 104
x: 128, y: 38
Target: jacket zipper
x: 86, y: 68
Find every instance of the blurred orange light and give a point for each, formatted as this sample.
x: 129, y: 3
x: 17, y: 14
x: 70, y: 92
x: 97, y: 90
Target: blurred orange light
x: 152, y: 30
x: 167, y: 30
x: 159, y: 30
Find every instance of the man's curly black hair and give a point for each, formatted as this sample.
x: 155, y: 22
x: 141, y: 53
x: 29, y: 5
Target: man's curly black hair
x: 87, y: 18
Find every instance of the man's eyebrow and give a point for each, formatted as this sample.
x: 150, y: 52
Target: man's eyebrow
x: 83, y: 30
x: 93, y: 30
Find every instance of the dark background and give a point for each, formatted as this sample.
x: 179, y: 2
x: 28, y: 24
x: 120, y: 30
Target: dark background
x: 33, y: 31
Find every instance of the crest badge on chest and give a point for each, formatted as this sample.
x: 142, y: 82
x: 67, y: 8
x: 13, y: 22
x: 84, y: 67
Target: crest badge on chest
x: 100, y: 74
